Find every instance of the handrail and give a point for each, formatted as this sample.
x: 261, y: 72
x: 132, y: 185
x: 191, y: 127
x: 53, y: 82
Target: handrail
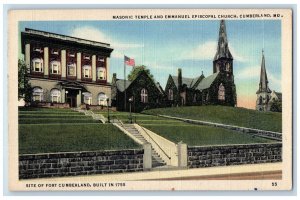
x: 155, y: 142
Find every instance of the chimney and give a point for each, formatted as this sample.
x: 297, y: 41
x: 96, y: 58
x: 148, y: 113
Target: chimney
x: 179, y: 79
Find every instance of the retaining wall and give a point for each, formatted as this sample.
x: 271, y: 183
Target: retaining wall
x: 234, y: 154
x: 80, y: 163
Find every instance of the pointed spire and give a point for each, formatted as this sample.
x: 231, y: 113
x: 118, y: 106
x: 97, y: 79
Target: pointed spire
x: 263, y: 82
x: 222, y: 49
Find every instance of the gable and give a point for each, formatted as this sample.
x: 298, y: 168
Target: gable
x: 144, y: 81
x: 120, y: 84
x: 207, y: 82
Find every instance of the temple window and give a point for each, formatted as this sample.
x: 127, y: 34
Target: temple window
x: 55, y: 96
x: 37, y: 94
x: 55, y: 67
x: 37, y: 65
x: 37, y: 49
x: 87, y: 71
x: 101, y: 73
x: 71, y: 69
x: 102, y: 99
x: 55, y: 51
x: 87, y: 98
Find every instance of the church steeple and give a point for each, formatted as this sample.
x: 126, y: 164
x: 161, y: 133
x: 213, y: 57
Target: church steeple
x: 263, y: 82
x: 222, y: 49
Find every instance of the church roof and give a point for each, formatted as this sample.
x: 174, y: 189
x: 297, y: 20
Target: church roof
x: 279, y: 95
x: 263, y: 82
x: 206, y: 82
x: 189, y: 82
x: 121, y: 88
x: 223, y: 49
x: 120, y: 84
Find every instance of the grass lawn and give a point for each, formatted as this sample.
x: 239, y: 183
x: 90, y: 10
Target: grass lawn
x: 203, y: 135
x: 69, y: 138
x: 52, y: 116
x: 43, y: 130
x: 193, y: 135
x: 227, y: 115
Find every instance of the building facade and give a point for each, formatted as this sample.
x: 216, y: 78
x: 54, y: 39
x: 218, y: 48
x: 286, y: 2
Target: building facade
x: 265, y: 97
x: 218, y: 88
x: 66, y: 70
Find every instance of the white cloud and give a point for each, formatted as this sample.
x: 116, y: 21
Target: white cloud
x: 208, y: 50
x: 117, y: 54
x: 253, y: 72
x: 92, y: 33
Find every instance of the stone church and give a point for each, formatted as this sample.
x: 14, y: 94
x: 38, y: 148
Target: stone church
x: 217, y: 89
x: 140, y: 94
x: 265, y: 97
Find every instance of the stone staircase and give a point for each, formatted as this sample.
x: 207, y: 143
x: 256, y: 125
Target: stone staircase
x: 157, y: 161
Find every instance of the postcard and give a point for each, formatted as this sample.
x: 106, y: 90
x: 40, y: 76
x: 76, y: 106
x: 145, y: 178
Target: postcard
x: 150, y: 99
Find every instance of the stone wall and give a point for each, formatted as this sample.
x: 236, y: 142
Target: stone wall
x: 233, y: 154
x: 80, y: 163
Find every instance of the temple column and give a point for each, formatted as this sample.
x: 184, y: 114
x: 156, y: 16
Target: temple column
x: 46, y: 61
x: 27, y: 56
x: 63, y: 96
x: 94, y: 67
x: 78, y: 70
x: 107, y: 69
x: 63, y: 63
x: 78, y: 100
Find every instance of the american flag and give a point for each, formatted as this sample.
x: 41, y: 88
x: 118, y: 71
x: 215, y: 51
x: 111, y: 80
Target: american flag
x: 129, y: 61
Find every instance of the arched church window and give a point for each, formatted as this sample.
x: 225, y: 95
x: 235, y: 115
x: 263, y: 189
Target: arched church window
x: 195, y: 98
x: 221, y: 92
x: 171, y: 96
x: 268, y: 99
x: 144, y: 95
x: 217, y: 67
x: 260, y: 100
x: 228, y: 67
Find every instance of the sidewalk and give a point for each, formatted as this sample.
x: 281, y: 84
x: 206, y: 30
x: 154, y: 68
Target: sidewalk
x: 178, y: 174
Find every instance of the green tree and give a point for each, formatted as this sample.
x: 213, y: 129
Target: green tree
x: 136, y: 70
x: 24, y: 87
x: 276, y: 106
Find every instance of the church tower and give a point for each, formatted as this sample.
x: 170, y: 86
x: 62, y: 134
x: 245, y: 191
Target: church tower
x: 263, y: 92
x: 223, y: 60
x: 223, y: 64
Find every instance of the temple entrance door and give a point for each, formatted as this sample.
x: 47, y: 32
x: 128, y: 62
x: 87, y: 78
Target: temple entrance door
x: 71, y: 96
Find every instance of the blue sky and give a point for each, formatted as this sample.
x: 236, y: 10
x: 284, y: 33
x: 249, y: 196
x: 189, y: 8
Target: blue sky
x: 164, y: 46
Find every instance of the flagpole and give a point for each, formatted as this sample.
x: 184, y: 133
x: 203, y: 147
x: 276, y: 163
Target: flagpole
x: 124, y: 84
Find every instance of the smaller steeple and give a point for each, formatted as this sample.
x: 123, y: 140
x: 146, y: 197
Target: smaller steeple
x: 263, y: 82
